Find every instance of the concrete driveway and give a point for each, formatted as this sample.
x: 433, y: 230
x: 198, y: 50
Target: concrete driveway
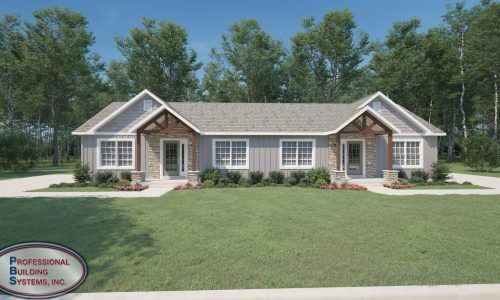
x: 19, y: 187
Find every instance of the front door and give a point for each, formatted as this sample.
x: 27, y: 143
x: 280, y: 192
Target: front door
x: 354, y: 158
x: 171, y: 158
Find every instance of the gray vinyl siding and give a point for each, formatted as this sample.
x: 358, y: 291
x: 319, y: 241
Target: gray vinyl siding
x: 429, y: 153
x: 392, y: 115
x: 263, y: 152
x: 89, y: 151
x: 129, y: 117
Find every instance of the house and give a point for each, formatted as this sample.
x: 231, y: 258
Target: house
x: 155, y: 139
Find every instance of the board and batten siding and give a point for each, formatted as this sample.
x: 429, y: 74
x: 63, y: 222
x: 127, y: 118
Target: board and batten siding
x: 264, y: 152
x: 429, y: 152
x: 395, y: 117
x: 130, y: 116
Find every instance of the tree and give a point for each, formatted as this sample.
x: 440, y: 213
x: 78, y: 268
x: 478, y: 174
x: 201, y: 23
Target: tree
x: 482, y: 152
x: 157, y: 58
x: 327, y: 57
x: 57, y: 48
x: 118, y: 82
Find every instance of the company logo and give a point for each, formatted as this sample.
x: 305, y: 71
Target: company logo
x: 40, y: 270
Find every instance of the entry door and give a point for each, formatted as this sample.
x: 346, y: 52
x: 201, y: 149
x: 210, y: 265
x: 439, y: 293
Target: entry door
x: 171, y: 159
x: 354, y: 158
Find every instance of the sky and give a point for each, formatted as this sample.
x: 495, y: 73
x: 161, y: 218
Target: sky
x: 206, y: 21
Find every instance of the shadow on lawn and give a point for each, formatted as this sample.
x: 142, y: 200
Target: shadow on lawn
x: 107, y: 238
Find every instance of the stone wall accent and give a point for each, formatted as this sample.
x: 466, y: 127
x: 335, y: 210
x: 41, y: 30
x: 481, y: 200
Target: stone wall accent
x: 193, y: 177
x: 181, y: 131
x: 138, y: 176
x: 370, y: 152
x: 338, y: 176
x: 390, y: 175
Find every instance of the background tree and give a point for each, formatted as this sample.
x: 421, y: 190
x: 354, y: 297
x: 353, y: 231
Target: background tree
x: 158, y: 58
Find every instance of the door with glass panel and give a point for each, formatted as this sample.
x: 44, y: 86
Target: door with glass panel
x: 354, y: 158
x: 171, y: 158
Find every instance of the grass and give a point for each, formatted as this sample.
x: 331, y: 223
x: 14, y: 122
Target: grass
x: 75, y: 189
x: 449, y: 187
x: 43, y: 168
x: 267, y: 238
x: 458, y: 167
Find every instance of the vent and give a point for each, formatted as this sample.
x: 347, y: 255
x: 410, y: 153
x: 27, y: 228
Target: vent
x: 377, y: 106
x: 148, y: 105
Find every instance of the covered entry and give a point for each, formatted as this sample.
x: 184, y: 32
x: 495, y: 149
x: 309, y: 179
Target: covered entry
x: 173, y: 160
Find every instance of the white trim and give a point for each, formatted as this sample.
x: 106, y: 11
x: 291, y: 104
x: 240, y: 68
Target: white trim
x: 421, y: 149
x: 146, y: 108
x: 179, y: 158
x: 262, y: 133
x: 296, y: 167
x: 421, y: 134
x: 342, y: 158
x: 245, y: 167
x: 359, y: 113
x: 115, y: 167
x: 143, y: 121
x: 399, y: 108
x: 106, y: 133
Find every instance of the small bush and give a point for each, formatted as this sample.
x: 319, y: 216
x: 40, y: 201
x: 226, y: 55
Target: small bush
x: 231, y: 185
x: 419, y: 176
x: 208, y: 183
x: 288, y: 182
x: 103, y: 177
x: 123, y: 182
x: 267, y: 181
x: 440, y: 172
x: 223, y: 182
x: 319, y: 173
x: 54, y: 185
x: 113, y: 180
x: 277, y: 176
x: 81, y: 173
x: 259, y: 184
x: 344, y: 184
x: 482, y: 152
x: 220, y: 185
x: 233, y: 176
x: 103, y: 185
x: 212, y: 174
x: 79, y: 184
x: 244, y: 182
x: 127, y: 175
x: 321, y: 182
x: 315, y: 185
x: 297, y: 176
x: 305, y: 181
x: 255, y: 177
x: 467, y: 183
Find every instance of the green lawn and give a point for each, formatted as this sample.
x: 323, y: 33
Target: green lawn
x: 43, y: 168
x: 449, y: 187
x: 267, y: 238
x: 458, y: 167
x: 75, y: 189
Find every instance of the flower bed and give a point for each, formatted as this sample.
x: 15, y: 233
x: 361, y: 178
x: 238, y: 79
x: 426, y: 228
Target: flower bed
x: 348, y: 187
x: 398, y: 186
x: 136, y: 187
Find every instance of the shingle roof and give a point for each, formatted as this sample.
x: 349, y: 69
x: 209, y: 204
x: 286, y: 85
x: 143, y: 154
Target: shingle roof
x: 99, y: 117
x: 427, y: 125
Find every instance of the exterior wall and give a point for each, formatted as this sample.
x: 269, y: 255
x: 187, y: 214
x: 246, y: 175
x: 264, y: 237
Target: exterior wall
x: 264, y: 152
x: 129, y: 117
x: 395, y: 117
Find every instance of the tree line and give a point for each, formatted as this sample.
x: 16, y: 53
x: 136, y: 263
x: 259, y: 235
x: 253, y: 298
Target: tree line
x: 51, y: 81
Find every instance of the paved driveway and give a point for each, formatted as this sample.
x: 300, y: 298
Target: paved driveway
x: 19, y: 187
x: 492, y: 183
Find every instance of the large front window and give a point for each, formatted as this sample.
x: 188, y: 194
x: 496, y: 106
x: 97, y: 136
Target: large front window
x: 407, y: 153
x: 231, y: 154
x: 116, y: 153
x: 297, y: 154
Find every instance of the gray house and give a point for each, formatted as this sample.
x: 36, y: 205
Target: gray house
x: 155, y: 139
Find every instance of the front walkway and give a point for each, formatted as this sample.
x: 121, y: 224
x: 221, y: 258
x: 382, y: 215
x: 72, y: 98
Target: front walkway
x: 492, y: 183
x: 19, y: 187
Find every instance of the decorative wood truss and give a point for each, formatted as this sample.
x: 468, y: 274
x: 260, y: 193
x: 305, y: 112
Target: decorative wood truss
x: 366, y: 124
x: 163, y: 123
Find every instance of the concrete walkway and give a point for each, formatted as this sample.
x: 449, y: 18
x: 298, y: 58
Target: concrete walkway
x: 455, y: 292
x: 20, y: 187
x: 492, y: 183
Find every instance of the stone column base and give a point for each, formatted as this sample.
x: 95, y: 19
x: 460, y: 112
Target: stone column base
x: 338, y: 176
x: 390, y: 175
x: 138, y: 176
x: 193, y: 177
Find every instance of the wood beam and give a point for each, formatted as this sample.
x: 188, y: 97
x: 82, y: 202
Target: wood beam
x: 337, y: 150
x: 193, y: 150
x: 171, y: 127
x: 138, y: 151
x: 158, y: 124
x: 389, y: 151
x: 355, y: 124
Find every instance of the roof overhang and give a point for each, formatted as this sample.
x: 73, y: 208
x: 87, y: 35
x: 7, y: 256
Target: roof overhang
x: 371, y: 112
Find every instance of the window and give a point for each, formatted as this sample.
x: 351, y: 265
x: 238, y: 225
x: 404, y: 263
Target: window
x: 297, y: 154
x: 116, y: 153
x: 148, y: 105
x: 377, y: 106
x: 230, y: 154
x: 407, y: 153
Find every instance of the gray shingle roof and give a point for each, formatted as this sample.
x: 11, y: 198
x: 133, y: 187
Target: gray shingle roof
x: 99, y: 117
x: 427, y: 125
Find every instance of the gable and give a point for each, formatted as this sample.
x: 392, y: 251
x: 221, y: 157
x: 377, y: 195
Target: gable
x: 389, y: 112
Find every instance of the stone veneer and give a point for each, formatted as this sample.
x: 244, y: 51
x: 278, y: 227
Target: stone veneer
x: 370, y: 152
x: 390, y: 175
x: 181, y: 131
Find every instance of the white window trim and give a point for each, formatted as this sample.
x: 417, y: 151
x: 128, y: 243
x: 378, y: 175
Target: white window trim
x: 295, y: 167
x: 245, y: 167
x: 115, y: 167
x: 421, y: 149
x: 179, y: 159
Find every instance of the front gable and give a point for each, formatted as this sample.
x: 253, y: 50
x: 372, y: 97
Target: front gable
x: 389, y: 112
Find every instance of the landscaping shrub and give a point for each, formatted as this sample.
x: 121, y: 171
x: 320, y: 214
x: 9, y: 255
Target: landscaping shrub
x: 212, y: 174
x: 233, y: 176
x: 244, y: 182
x: 127, y: 175
x: 297, y: 176
x: 267, y: 181
x: 220, y: 185
x: 344, y: 184
x: 467, y: 183
x: 482, y: 152
x: 440, y: 171
x: 321, y: 182
x: 103, y: 177
x: 319, y: 173
x: 289, y: 181
x: 277, y: 176
x: 419, y: 176
x: 305, y: 181
x: 231, y: 185
x: 255, y: 177
x: 208, y: 183
x: 222, y: 182
x: 81, y: 173
x: 259, y: 184
x: 80, y: 184
x: 123, y: 182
